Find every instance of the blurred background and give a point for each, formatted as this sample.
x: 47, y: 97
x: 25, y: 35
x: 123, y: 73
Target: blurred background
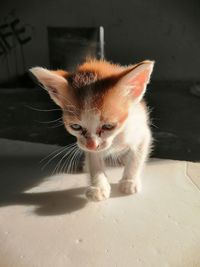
x: 60, y: 34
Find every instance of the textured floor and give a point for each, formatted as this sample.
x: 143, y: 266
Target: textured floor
x: 47, y: 222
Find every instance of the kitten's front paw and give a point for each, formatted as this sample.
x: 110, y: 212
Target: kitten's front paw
x: 99, y: 192
x: 129, y: 186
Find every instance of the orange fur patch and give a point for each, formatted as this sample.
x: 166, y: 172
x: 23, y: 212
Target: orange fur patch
x: 101, y: 67
x: 93, y: 83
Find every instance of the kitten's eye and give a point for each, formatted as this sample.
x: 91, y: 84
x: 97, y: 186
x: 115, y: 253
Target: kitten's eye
x: 108, y: 126
x: 76, y: 127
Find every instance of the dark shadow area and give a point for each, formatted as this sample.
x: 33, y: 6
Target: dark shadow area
x: 21, y: 173
x: 48, y: 203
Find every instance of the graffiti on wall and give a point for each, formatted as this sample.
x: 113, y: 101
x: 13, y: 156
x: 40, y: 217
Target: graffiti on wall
x: 14, y: 35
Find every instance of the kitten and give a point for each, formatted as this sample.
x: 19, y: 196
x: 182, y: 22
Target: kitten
x: 103, y: 108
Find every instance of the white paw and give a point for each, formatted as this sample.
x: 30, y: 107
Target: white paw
x: 129, y: 186
x: 98, y: 192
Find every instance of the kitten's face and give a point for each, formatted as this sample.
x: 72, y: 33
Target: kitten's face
x: 96, y: 98
x: 93, y: 132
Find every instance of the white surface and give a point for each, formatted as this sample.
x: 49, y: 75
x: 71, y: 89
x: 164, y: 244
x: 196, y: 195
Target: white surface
x: 52, y: 224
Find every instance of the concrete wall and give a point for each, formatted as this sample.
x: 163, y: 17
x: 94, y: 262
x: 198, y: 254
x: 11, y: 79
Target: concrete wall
x: 166, y: 31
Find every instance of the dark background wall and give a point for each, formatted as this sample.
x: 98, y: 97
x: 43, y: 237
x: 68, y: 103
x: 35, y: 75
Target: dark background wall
x: 167, y: 31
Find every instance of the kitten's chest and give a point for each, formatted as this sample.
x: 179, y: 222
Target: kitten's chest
x: 119, y: 145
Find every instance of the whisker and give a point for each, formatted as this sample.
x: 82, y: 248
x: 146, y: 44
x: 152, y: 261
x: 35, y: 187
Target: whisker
x: 57, y: 125
x: 56, y: 169
x: 52, y: 159
x: 71, y: 161
x: 68, y: 158
x: 151, y: 123
x: 78, y: 158
x: 75, y: 161
x: 66, y: 147
x: 45, y: 110
x: 52, y: 121
x: 60, y: 148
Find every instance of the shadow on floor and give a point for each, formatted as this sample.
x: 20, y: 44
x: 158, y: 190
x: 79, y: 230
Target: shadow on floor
x: 18, y: 175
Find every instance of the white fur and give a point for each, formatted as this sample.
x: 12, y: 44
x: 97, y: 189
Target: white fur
x: 100, y: 190
x: 135, y: 138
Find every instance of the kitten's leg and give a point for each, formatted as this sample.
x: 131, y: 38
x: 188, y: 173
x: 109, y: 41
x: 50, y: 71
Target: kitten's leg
x: 99, y: 188
x: 130, y: 182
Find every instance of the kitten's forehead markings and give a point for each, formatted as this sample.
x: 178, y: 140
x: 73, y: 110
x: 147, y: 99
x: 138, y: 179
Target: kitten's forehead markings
x: 91, y: 120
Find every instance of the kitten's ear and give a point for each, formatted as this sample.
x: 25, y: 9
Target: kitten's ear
x: 135, y: 81
x: 54, y: 82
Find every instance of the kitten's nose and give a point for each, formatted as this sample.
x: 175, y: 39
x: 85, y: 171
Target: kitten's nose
x: 91, y: 144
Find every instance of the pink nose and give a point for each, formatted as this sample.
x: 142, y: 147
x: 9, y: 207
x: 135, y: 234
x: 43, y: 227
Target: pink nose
x: 91, y: 144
